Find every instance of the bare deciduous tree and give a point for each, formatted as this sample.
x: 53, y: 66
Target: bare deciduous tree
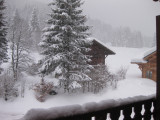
x: 19, y: 38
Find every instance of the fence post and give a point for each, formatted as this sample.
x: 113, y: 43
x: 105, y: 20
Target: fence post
x: 158, y: 68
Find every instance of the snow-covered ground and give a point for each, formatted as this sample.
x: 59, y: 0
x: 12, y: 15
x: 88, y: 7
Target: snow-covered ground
x: 133, y: 85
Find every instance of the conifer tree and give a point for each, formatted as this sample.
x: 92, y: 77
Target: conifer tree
x: 34, y: 28
x: 3, y: 33
x: 34, y: 23
x: 64, y: 43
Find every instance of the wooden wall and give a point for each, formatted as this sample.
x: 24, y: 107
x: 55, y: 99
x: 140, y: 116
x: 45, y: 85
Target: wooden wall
x: 149, y: 69
x: 98, y: 55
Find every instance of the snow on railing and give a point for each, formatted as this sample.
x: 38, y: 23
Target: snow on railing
x: 99, y: 111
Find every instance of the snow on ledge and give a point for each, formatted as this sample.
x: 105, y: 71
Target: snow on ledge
x: 145, y: 54
x: 136, y: 60
x: 64, y: 111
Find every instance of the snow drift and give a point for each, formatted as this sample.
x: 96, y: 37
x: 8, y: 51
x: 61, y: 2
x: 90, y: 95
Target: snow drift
x: 65, y: 111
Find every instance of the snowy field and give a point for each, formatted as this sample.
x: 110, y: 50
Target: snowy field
x: 133, y: 85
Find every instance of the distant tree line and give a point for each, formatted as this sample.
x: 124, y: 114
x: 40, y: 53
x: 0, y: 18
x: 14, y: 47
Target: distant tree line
x: 120, y: 36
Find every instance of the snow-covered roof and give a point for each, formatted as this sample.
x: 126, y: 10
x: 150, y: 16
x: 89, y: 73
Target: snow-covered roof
x: 144, y: 55
x: 136, y: 60
x: 149, y: 52
x: 101, y: 43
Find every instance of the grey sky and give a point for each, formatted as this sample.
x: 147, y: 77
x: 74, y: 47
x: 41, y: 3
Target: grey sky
x: 137, y: 14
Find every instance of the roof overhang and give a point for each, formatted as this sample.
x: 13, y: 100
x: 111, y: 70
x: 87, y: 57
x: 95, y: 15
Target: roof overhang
x: 148, y: 56
x: 138, y: 63
x: 107, y: 50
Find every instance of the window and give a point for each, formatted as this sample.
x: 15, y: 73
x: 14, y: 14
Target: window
x: 149, y: 74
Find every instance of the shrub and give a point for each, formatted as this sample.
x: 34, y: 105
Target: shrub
x: 102, y: 78
x: 8, y: 87
x: 42, y: 89
x: 122, y: 73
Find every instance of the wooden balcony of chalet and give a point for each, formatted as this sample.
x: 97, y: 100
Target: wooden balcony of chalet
x: 136, y: 108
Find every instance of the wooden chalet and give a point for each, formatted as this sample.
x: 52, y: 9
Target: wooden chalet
x: 99, y: 52
x: 148, y: 64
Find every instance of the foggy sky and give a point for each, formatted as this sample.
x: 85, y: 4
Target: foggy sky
x: 136, y: 14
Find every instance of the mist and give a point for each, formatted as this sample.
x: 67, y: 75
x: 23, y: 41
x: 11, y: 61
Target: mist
x: 136, y: 14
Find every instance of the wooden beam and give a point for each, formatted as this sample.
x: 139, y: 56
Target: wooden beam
x: 153, y: 58
x: 158, y: 68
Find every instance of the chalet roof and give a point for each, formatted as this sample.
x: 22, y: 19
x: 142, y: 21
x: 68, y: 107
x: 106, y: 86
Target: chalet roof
x: 149, y: 52
x: 138, y: 60
x: 144, y: 57
x: 107, y: 50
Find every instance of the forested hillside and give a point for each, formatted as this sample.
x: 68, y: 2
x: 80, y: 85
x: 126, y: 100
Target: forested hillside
x: 119, y: 36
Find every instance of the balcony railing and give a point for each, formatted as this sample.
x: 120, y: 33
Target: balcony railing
x: 136, y: 108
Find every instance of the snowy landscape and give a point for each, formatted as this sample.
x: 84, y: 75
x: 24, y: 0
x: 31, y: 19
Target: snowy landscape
x: 132, y: 86
x: 58, y: 55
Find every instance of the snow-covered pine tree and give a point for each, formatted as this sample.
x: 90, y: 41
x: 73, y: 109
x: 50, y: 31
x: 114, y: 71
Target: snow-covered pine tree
x: 34, y: 23
x: 64, y: 43
x: 35, y: 29
x: 3, y: 33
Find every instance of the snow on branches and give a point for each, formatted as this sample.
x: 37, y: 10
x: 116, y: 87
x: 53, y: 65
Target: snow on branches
x: 3, y: 33
x: 64, y: 42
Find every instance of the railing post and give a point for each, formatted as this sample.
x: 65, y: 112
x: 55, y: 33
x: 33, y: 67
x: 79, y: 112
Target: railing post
x: 158, y: 68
